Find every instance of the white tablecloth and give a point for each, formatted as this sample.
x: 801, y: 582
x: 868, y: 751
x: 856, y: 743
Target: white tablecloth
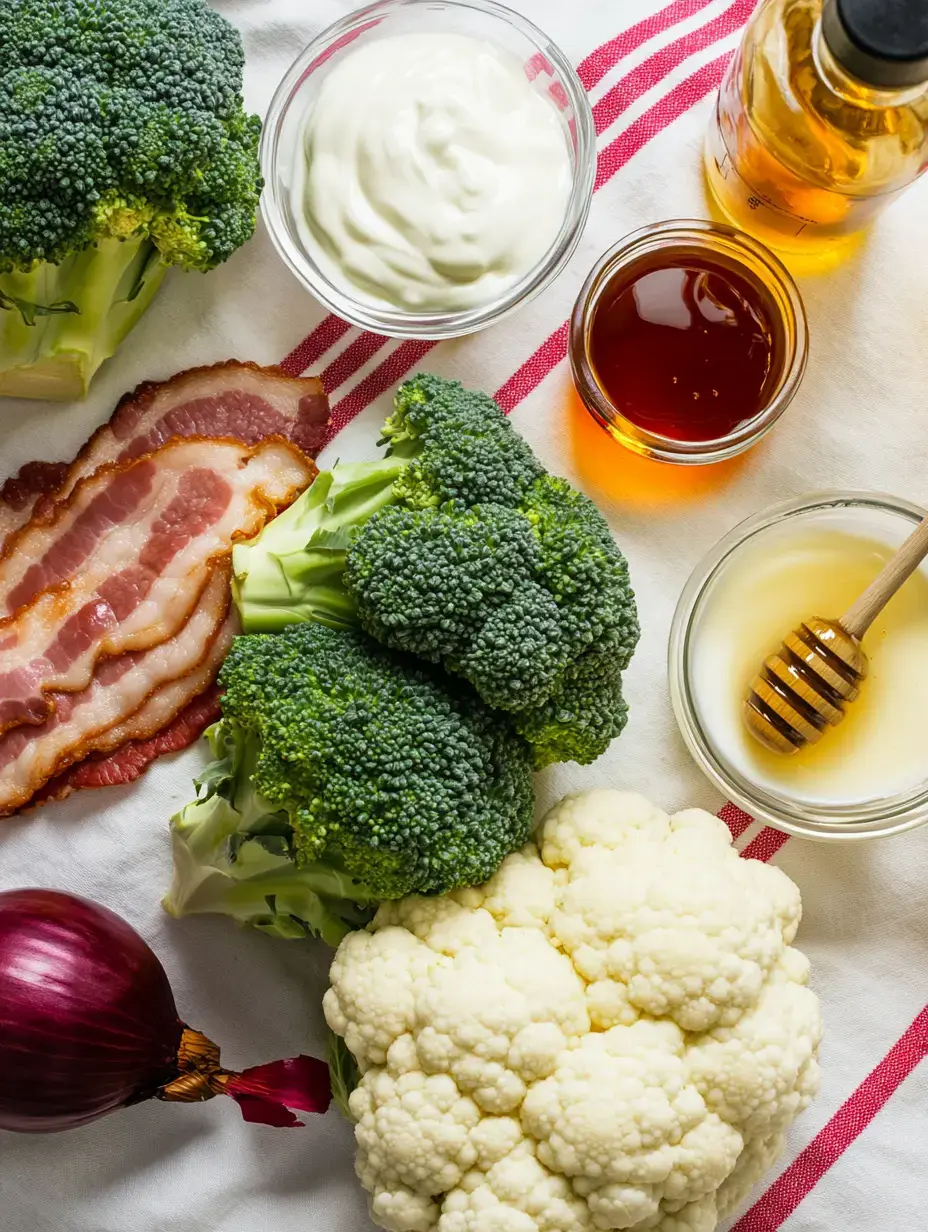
x: 860, y: 421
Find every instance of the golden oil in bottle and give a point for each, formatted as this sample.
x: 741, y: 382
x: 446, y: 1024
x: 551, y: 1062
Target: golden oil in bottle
x: 822, y: 119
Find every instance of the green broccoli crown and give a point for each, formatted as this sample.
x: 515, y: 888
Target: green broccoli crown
x: 583, y: 569
x: 118, y: 118
x: 460, y: 444
x: 400, y: 776
x: 501, y: 572
x: 457, y: 586
x: 583, y: 713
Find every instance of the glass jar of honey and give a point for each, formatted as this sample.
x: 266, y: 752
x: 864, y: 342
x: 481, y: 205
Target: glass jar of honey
x: 688, y: 341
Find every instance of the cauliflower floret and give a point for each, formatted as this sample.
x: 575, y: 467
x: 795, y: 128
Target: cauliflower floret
x: 699, y: 1216
x: 623, y: 1206
x: 495, y: 1138
x: 520, y: 895
x: 674, y: 924
x: 413, y: 1130
x: 704, y: 1157
x: 600, y: 821
x: 499, y: 1018
x: 517, y: 1194
x: 614, y: 1038
x: 761, y: 1073
x: 695, y: 832
x: 372, y: 998
x: 757, y: 1158
x: 793, y: 967
x: 446, y: 926
x: 623, y: 1120
x: 401, y: 1210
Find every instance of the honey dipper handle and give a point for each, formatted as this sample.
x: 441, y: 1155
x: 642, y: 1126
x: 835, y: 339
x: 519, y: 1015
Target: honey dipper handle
x: 859, y: 617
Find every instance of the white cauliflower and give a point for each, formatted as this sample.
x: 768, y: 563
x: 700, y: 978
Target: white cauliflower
x: 613, y: 1032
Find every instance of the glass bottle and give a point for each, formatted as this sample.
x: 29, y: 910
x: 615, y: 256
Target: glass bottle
x: 822, y: 119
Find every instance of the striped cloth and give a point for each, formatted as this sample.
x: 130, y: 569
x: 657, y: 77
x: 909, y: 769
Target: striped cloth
x: 856, y: 1160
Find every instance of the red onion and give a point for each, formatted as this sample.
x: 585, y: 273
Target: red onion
x: 88, y: 1024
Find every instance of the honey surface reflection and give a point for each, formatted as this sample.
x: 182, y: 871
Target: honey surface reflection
x: 684, y: 348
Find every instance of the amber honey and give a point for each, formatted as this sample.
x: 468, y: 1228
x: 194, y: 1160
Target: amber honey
x: 688, y: 341
x: 812, y: 554
x: 688, y: 349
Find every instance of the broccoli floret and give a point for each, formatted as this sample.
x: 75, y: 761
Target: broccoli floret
x: 583, y: 713
x: 446, y: 565
x: 460, y: 445
x: 124, y: 149
x: 518, y: 653
x: 346, y: 774
x: 469, y: 555
x: 583, y: 569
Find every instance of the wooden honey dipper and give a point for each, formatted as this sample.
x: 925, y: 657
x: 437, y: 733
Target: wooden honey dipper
x: 803, y: 689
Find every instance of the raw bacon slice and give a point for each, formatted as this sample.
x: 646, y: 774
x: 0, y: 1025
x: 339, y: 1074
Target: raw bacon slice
x: 35, y: 479
x: 58, y: 542
x: 231, y: 399
x: 166, y: 702
x: 130, y: 697
x: 121, y: 564
x: 132, y: 759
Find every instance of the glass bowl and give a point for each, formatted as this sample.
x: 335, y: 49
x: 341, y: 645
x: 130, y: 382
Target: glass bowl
x: 726, y: 246
x: 551, y: 74
x: 840, y: 822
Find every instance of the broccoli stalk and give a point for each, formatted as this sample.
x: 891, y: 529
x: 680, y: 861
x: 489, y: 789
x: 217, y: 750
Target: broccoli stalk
x: 344, y: 1074
x: 344, y: 775
x: 60, y: 322
x: 461, y: 549
x: 298, y: 573
x: 124, y: 149
x: 233, y: 855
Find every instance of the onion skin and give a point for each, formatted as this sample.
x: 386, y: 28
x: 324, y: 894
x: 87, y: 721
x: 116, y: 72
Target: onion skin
x: 88, y: 1022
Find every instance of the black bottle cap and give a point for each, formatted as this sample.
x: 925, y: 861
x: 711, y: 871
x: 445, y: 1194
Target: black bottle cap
x: 883, y: 43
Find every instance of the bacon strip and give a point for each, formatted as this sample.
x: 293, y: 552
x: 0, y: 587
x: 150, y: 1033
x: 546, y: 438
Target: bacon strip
x: 108, y: 571
x: 120, y: 566
x: 129, y: 762
x: 165, y: 703
x: 130, y: 697
x: 237, y: 400
x: 34, y: 479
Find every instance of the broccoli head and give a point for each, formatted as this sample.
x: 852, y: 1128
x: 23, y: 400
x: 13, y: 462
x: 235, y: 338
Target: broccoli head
x: 459, y: 444
x: 470, y: 556
x: 345, y: 774
x: 124, y: 149
x: 584, y: 711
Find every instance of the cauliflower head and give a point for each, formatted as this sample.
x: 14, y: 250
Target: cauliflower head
x: 612, y: 1032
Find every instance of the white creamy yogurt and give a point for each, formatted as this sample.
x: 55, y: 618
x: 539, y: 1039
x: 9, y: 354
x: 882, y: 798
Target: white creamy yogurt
x: 435, y: 176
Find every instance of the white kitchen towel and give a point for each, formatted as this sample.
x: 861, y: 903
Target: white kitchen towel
x: 857, y: 1159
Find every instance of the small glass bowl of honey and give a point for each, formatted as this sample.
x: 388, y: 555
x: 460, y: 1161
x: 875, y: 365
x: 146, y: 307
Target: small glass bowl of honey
x: 688, y: 341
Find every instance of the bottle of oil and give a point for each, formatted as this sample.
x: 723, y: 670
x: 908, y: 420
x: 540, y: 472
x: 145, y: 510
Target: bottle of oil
x: 822, y: 119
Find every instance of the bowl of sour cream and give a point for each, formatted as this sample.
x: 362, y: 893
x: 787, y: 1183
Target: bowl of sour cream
x: 429, y: 166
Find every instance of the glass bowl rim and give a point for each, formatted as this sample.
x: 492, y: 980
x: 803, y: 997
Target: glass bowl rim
x: 397, y: 323
x: 878, y: 819
x: 693, y: 233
